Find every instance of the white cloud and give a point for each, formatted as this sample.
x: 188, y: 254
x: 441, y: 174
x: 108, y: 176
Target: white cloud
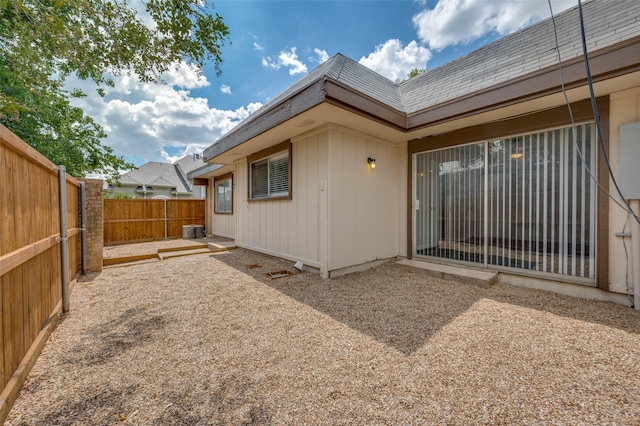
x: 394, y: 61
x: 185, y: 76
x: 291, y: 61
x: 269, y: 62
x: 453, y: 22
x: 323, y: 56
x: 288, y: 59
x: 180, y: 75
x: 225, y: 89
x: 173, y: 158
x: 145, y: 121
x: 258, y: 47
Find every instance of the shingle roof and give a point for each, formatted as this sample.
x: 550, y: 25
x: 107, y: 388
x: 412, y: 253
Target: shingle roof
x: 370, y: 83
x: 163, y: 174
x: 525, y: 51
x: 189, y: 163
x: 342, y: 69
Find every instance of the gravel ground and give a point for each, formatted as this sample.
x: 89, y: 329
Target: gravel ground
x: 207, y: 340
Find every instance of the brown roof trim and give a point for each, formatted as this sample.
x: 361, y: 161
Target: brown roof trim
x: 602, y: 200
x: 343, y: 96
x: 605, y: 63
x: 307, y: 98
x: 529, y: 123
x: 608, y: 62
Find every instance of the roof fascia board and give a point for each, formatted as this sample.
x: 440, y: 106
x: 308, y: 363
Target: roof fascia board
x: 536, y: 121
x: 310, y: 96
x: 194, y: 174
x: 605, y: 63
x: 347, y: 98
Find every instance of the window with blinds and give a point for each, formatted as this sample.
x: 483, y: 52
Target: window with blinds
x: 525, y: 202
x: 270, y: 176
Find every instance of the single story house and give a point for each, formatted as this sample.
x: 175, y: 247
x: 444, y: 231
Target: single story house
x: 475, y: 163
x: 162, y: 180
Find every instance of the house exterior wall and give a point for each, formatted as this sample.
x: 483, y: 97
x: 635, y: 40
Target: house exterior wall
x: 342, y: 213
x: 208, y: 211
x: 625, y: 108
x: 224, y: 225
x: 364, y: 202
x: 290, y: 229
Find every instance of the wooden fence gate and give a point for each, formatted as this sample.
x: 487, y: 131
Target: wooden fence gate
x: 32, y: 256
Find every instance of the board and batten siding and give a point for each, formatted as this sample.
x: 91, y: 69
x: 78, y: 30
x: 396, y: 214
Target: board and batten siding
x: 342, y: 213
x: 224, y: 225
x: 364, y: 203
x: 290, y: 229
x: 624, y: 109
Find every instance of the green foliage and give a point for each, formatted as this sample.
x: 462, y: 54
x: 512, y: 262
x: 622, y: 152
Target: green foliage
x: 413, y: 73
x: 118, y: 195
x: 46, y: 120
x: 42, y: 42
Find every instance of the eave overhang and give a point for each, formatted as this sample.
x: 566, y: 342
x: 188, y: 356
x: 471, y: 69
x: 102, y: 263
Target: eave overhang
x: 321, y: 90
x: 204, y: 170
x: 306, y: 98
x: 622, y: 58
x: 607, y: 63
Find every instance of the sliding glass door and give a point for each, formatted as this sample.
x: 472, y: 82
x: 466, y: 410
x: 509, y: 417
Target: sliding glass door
x: 450, y: 203
x: 526, y: 202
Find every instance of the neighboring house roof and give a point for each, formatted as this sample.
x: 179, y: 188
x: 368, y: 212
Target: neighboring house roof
x: 164, y: 175
x: 463, y: 85
x: 189, y: 163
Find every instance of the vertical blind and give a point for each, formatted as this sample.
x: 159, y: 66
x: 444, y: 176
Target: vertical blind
x: 279, y: 176
x: 270, y: 177
x: 450, y: 203
x: 260, y: 179
x: 540, y: 202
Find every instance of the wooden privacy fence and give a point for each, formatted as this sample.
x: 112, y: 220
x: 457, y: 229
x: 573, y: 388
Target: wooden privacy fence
x: 32, y: 254
x: 138, y: 220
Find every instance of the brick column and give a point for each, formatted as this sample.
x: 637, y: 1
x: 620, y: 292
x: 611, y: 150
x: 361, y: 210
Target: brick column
x: 95, y: 225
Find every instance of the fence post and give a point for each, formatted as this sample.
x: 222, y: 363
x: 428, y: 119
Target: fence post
x: 83, y: 226
x: 165, y: 218
x: 64, y: 237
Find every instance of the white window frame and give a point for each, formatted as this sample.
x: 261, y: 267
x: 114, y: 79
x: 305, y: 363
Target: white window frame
x: 225, y: 180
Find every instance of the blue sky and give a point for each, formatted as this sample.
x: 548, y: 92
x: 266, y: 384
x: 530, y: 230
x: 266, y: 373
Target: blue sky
x: 275, y: 43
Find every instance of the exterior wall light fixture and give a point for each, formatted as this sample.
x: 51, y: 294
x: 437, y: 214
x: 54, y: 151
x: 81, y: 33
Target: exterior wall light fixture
x: 372, y: 162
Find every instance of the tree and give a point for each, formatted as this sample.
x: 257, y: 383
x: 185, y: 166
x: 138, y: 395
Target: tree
x: 59, y: 131
x: 43, y: 42
x: 413, y: 73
